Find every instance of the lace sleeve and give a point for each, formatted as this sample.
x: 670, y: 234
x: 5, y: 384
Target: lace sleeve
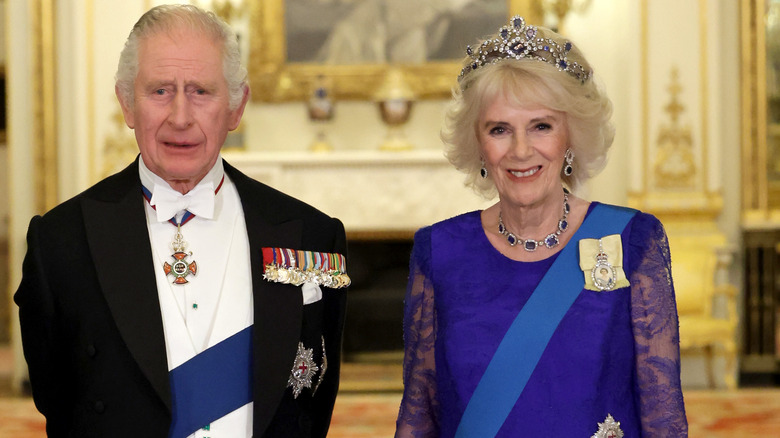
x: 417, y: 416
x: 656, y: 331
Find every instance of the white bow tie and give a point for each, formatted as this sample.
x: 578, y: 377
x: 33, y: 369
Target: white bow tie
x: 168, y: 202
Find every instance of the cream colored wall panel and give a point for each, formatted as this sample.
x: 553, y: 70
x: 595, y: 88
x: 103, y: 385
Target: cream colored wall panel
x: 2, y: 33
x: 109, y: 38
x: 73, y: 94
x: 674, y: 45
x: 21, y: 160
x: 614, y: 61
x: 725, y: 121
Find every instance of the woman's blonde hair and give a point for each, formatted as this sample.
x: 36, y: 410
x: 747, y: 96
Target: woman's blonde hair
x: 529, y: 83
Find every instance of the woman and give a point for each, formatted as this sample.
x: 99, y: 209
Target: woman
x: 545, y: 314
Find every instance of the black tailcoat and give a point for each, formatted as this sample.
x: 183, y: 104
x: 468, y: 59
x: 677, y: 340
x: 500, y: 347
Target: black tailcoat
x: 92, y: 328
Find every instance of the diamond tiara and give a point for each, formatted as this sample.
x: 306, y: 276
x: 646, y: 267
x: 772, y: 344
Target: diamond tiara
x: 520, y: 41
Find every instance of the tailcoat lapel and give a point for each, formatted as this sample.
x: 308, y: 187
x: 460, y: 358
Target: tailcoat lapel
x: 277, y: 312
x: 119, y: 242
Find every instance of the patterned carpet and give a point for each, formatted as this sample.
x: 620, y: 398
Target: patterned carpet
x: 368, y: 405
x: 711, y: 414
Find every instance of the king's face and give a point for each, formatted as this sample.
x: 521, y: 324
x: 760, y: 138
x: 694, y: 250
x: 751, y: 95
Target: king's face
x: 180, y: 111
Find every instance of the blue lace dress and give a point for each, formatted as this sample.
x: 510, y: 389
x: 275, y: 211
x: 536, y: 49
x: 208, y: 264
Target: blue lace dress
x: 614, y: 353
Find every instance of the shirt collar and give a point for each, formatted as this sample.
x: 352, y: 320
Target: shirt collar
x: 149, y: 178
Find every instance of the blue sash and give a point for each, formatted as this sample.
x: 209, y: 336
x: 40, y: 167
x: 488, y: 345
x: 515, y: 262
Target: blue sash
x: 518, y: 353
x: 212, y: 384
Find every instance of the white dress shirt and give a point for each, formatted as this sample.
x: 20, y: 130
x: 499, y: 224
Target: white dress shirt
x: 216, y: 302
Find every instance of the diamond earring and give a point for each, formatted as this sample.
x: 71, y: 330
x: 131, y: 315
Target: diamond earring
x: 483, y: 172
x: 569, y: 157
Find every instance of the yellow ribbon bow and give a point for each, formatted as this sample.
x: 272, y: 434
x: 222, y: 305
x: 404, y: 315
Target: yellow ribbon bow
x: 612, y: 247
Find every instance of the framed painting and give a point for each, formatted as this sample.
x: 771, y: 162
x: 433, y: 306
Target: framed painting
x: 295, y: 44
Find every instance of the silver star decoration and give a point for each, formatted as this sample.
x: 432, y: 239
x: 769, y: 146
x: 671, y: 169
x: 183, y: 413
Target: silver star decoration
x: 303, y: 370
x: 609, y: 429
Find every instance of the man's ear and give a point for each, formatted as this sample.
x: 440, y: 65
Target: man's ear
x: 235, y: 115
x: 126, y: 108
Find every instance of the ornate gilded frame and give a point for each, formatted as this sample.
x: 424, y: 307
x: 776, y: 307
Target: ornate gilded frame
x: 760, y: 193
x: 274, y: 80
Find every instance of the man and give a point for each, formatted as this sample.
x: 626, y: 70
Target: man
x: 180, y: 297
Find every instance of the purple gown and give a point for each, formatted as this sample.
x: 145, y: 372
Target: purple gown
x: 614, y: 353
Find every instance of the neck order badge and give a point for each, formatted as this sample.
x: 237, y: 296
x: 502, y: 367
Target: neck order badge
x: 180, y: 268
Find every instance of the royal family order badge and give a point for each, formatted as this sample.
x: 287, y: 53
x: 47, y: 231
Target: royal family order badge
x: 601, y: 261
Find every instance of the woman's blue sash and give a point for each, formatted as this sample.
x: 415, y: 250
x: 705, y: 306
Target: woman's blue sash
x: 527, y: 337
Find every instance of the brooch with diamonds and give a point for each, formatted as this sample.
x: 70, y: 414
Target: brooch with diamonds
x: 609, y: 429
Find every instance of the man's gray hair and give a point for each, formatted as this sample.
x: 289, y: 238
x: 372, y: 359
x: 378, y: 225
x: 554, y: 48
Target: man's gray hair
x: 167, y: 18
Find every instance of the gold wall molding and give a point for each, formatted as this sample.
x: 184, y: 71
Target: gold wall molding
x: 675, y: 164
x: 89, y: 9
x: 675, y: 170
x: 45, y: 118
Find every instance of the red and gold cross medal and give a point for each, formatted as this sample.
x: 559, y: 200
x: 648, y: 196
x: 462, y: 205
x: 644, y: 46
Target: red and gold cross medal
x: 180, y: 268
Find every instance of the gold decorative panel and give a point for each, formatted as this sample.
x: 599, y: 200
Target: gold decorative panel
x: 44, y: 66
x: 675, y: 163
x: 675, y: 138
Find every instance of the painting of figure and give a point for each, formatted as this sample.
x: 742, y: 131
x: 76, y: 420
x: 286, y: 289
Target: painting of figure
x: 353, y: 32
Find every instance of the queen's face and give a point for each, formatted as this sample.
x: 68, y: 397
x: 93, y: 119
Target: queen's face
x: 523, y: 149
x: 180, y: 112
